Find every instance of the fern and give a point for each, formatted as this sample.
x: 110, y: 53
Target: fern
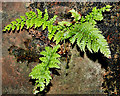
x: 32, y: 20
x: 84, y: 32
x: 41, y: 71
x: 95, y: 15
x: 88, y: 36
x: 75, y: 14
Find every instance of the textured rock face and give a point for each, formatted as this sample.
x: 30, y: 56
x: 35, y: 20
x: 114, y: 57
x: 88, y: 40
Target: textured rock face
x: 15, y: 78
x: 83, y: 77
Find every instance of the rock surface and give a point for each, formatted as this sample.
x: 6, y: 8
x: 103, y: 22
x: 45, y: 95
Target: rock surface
x: 83, y: 76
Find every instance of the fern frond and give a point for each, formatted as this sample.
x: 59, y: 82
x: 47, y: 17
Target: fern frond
x: 32, y: 20
x: 88, y: 36
x: 75, y: 14
x: 58, y: 36
x: 95, y: 15
x: 41, y: 71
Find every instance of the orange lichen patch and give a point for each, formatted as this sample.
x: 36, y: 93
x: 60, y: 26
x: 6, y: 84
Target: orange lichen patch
x: 108, y: 39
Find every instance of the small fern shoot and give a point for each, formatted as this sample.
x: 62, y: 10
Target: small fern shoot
x: 41, y: 71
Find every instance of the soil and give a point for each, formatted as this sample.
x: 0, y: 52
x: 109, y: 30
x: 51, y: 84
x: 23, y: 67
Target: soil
x: 82, y: 73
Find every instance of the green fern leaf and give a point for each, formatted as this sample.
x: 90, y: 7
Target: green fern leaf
x: 64, y: 23
x: 59, y: 35
x: 13, y: 22
x: 75, y: 14
x: 23, y: 18
x: 56, y: 48
x: 53, y: 65
x: 44, y: 25
x: 87, y: 35
x: 28, y: 23
x: 45, y: 15
x: 22, y: 24
x: 39, y: 13
x: 72, y: 40
x: 41, y: 71
x: 52, y: 33
x: 13, y: 28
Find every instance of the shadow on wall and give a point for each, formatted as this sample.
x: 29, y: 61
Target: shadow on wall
x: 96, y: 57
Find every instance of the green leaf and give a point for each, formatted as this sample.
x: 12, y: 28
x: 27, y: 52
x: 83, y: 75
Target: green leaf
x: 55, y: 55
x: 28, y: 23
x: 41, y: 71
x: 64, y: 23
x: 89, y: 45
x: 52, y: 65
x: 72, y: 40
x: 18, y: 26
x: 83, y: 44
x: 50, y: 26
x: 27, y: 14
x: 56, y: 48
x: 13, y: 22
x: 58, y: 37
x: 22, y: 24
x: 45, y: 15
x: 108, y: 6
x: 98, y: 16
x: 43, y: 59
x: 93, y: 22
x: 23, y: 18
x: 39, y: 13
x: 8, y: 27
x: 44, y: 25
x: 107, y: 9
x: 89, y: 36
x: 52, y: 20
x: 37, y: 22
x: 75, y: 14
x: 43, y: 53
x: 13, y: 28
x: 4, y: 29
x: 79, y: 39
x: 48, y: 49
x: 18, y: 20
x: 82, y: 19
x: 94, y: 9
x: 103, y: 9
x: 32, y: 22
x: 52, y: 33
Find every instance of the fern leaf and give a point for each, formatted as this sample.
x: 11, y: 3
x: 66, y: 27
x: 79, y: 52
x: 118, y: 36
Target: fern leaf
x: 75, y: 14
x: 59, y: 35
x: 52, y: 33
x: 72, y: 40
x: 64, y: 23
x: 87, y: 35
x: 39, y: 13
x: 45, y: 15
x: 23, y: 18
x: 56, y: 48
x: 80, y: 36
x: 41, y: 71
x: 53, y: 64
x: 89, y: 47
x: 44, y: 25
x: 83, y: 43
